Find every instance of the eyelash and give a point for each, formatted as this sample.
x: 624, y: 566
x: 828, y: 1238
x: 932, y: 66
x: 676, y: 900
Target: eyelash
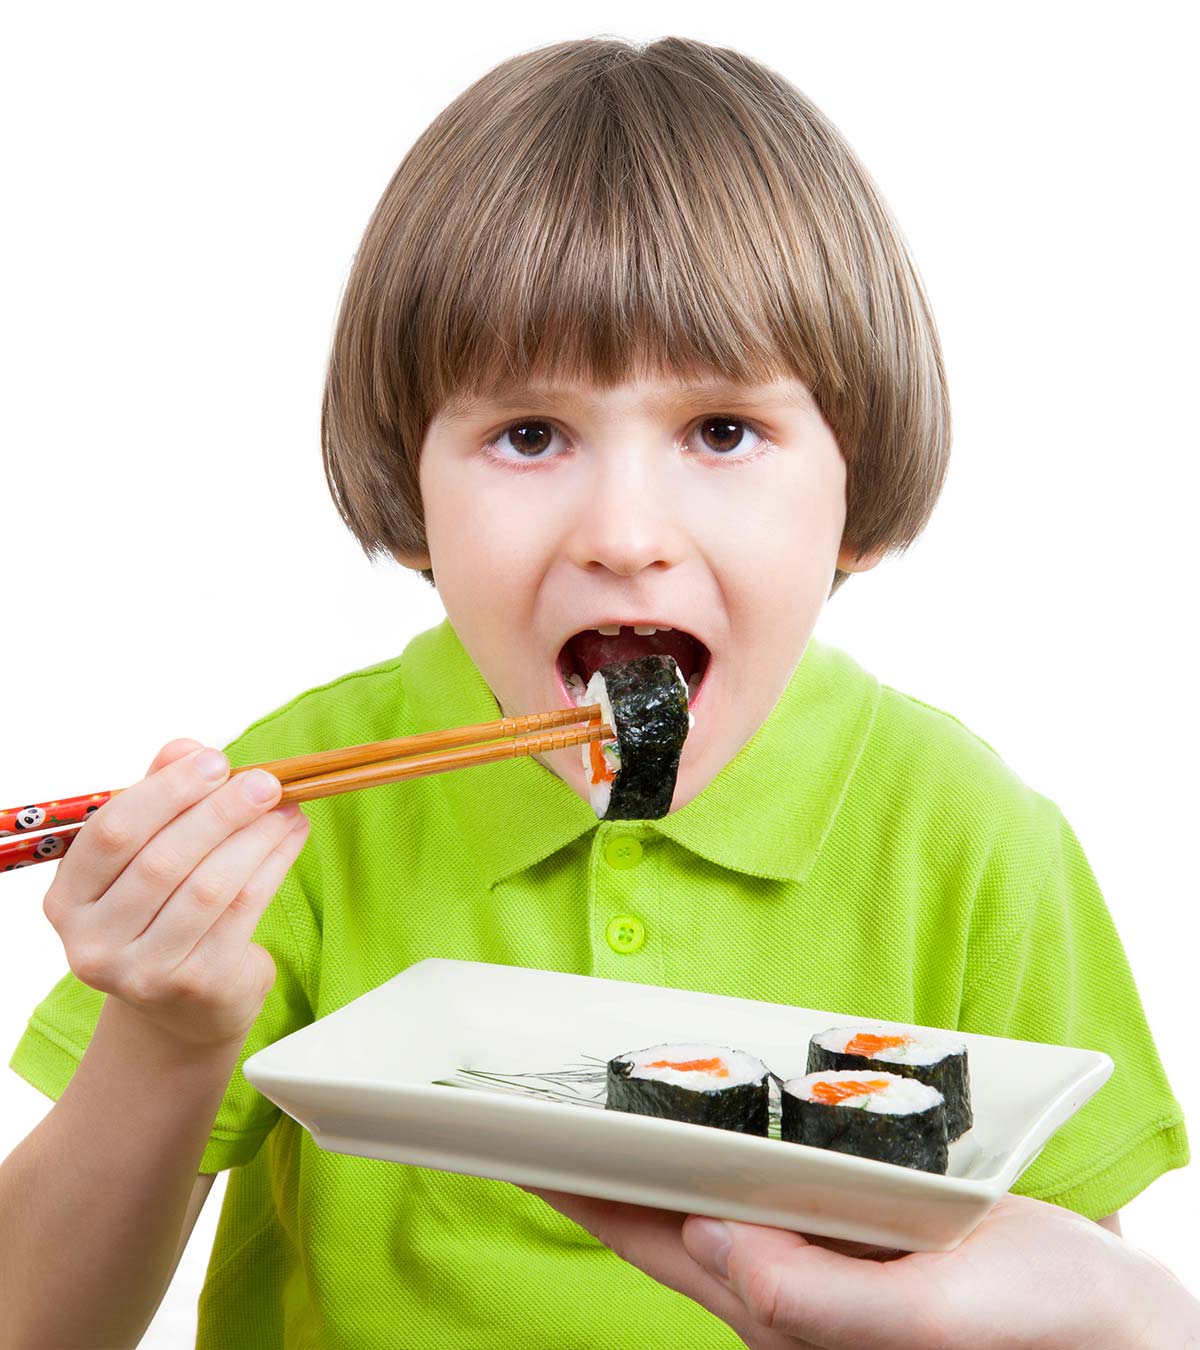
x: 527, y: 462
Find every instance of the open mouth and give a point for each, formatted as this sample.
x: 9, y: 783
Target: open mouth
x: 586, y: 651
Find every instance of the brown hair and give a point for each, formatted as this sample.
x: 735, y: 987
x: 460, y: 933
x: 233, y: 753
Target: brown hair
x: 596, y: 210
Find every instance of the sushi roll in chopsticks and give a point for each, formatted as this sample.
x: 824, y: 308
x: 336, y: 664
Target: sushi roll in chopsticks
x: 939, y: 1061
x: 645, y: 701
x: 700, y: 1084
x: 871, y: 1115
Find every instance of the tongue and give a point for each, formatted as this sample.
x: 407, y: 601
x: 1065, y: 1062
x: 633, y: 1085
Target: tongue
x: 591, y: 650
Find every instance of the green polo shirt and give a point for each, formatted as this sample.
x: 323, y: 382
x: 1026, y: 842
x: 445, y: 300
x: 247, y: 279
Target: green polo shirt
x: 864, y: 853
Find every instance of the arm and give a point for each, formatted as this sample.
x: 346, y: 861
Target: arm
x: 200, y: 1189
x: 156, y: 904
x: 1078, y: 1284
x: 125, y: 1139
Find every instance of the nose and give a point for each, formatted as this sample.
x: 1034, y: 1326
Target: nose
x: 626, y: 518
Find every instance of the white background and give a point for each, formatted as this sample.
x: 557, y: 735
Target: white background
x: 185, y: 188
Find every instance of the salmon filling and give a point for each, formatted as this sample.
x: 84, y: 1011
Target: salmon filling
x: 869, y: 1045
x: 833, y: 1094
x: 713, y: 1066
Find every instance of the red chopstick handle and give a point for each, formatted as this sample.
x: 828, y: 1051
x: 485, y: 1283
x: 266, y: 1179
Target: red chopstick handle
x: 18, y: 852
x: 51, y: 815
x: 63, y: 818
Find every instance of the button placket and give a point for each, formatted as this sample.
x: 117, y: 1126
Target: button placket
x: 624, y: 885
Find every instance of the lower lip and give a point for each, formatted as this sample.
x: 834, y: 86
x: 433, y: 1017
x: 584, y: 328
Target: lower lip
x: 569, y: 702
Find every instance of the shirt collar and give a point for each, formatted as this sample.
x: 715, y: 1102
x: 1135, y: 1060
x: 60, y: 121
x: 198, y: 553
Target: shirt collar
x: 766, y: 813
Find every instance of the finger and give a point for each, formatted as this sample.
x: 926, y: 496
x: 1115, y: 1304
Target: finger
x: 124, y: 824
x: 651, y: 1240
x: 172, y: 751
x: 230, y: 936
x: 134, y: 898
x: 835, y: 1301
x: 204, y: 895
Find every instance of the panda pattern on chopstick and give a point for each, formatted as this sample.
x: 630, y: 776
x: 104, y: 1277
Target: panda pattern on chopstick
x: 65, y: 815
x: 51, y: 815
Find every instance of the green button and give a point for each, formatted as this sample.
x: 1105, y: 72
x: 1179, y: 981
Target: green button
x: 625, y: 933
x: 623, y: 850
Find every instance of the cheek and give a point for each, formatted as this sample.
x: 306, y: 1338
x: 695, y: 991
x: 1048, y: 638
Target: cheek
x: 482, y: 539
x: 778, y: 547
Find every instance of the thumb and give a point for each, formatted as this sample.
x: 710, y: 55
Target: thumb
x: 710, y: 1241
x: 824, y: 1297
x: 172, y: 751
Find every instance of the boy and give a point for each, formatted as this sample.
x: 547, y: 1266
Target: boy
x: 664, y: 365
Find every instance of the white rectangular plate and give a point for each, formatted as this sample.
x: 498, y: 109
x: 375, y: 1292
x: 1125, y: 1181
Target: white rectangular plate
x: 365, y: 1080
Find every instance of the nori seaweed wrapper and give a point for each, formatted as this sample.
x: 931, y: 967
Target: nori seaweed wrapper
x: 650, y: 718
x: 741, y: 1107
x: 916, y: 1140
x: 948, y: 1074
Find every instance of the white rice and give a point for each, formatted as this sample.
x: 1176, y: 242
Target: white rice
x: 900, y: 1097
x: 687, y: 694
x: 600, y: 793
x: 743, y: 1068
x: 922, y: 1049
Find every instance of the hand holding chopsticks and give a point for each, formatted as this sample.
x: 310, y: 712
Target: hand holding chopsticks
x: 46, y: 830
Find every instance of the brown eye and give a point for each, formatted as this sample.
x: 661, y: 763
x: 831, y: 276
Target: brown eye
x: 529, y: 438
x: 723, y: 435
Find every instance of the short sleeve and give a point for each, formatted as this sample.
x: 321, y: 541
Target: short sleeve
x: 61, y: 1026
x: 1051, y: 968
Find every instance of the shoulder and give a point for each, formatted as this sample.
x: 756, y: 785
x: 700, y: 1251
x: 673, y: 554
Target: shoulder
x: 335, y: 713
x: 368, y: 704
x: 923, y: 769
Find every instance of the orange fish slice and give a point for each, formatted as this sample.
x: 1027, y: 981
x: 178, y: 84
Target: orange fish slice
x: 834, y: 1094
x: 869, y: 1045
x: 713, y: 1066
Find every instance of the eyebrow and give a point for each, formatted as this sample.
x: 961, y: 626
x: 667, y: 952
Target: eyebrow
x: 460, y: 409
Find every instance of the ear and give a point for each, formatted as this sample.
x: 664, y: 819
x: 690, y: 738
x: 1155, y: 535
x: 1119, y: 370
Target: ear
x: 419, y: 562
x: 849, y: 559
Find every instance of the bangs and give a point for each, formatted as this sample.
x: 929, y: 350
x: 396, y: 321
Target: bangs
x: 639, y: 241
x: 596, y: 212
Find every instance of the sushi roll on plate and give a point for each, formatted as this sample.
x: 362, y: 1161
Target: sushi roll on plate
x: 698, y: 1084
x: 939, y: 1061
x: 868, y: 1114
x: 645, y: 701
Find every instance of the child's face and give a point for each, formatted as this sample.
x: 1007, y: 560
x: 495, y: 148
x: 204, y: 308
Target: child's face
x: 552, y: 514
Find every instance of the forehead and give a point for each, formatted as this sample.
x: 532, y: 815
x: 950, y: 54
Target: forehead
x: 650, y: 397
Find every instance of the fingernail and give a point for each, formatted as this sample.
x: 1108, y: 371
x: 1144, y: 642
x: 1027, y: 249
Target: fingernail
x: 259, y: 786
x: 211, y: 763
x: 708, y: 1241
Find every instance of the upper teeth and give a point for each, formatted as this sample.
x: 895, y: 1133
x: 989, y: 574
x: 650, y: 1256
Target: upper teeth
x: 641, y: 629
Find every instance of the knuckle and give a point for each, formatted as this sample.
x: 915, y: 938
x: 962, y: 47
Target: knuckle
x: 52, y: 906
x: 231, y: 807
x: 209, y: 891
x: 190, y: 984
x: 91, y: 964
x: 160, y: 867
x: 762, y: 1294
x: 110, y: 833
x: 142, y: 985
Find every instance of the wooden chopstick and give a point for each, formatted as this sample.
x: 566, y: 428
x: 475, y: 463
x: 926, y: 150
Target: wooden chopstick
x: 354, y: 756
x: 327, y: 773
x: 375, y: 775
